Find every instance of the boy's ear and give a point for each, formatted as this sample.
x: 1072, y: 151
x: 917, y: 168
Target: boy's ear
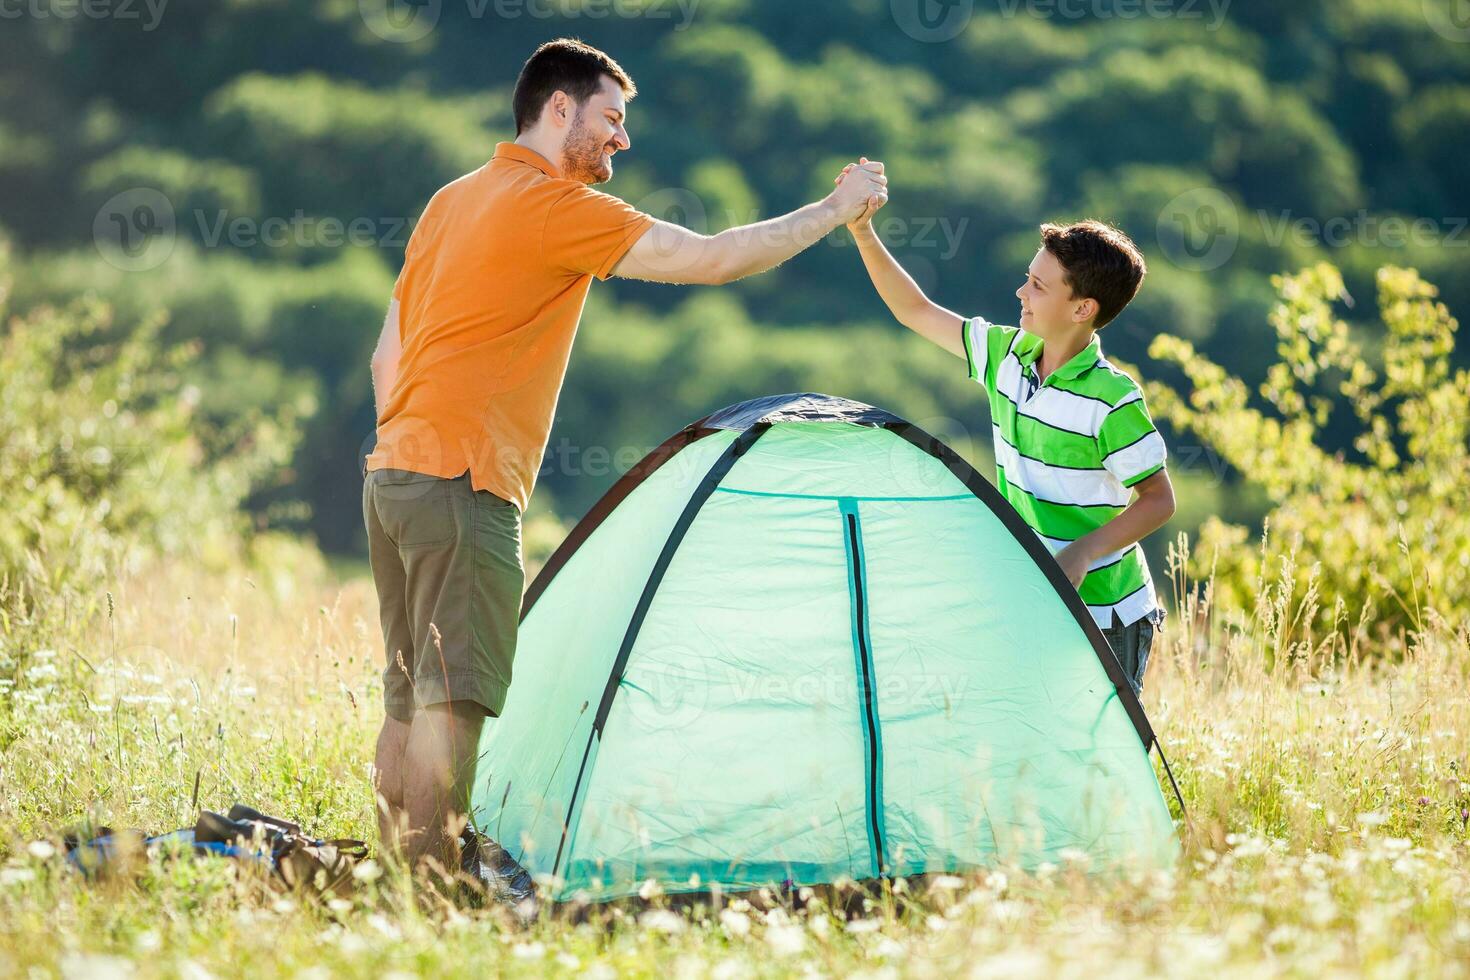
x: 1085, y: 310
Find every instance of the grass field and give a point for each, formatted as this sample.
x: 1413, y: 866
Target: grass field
x: 1326, y: 785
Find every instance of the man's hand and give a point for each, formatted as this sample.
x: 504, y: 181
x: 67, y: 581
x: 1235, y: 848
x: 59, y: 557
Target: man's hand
x: 1074, y: 559
x: 670, y: 253
x: 874, y: 202
x: 862, y: 188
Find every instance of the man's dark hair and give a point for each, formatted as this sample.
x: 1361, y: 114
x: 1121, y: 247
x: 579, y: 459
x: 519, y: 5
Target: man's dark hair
x: 566, y: 65
x: 1101, y: 263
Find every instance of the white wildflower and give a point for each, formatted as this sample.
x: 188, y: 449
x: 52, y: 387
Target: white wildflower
x: 662, y: 920
x: 95, y: 967
x: 888, y: 948
x: 367, y: 871
x: 785, y: 940
x: 15, y: 876
x: 735, y: 923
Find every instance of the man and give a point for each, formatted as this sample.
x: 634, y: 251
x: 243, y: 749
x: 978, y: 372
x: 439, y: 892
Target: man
x: 466, y: 378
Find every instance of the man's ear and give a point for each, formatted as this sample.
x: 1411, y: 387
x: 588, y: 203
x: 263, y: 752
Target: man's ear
x: 561, y: 107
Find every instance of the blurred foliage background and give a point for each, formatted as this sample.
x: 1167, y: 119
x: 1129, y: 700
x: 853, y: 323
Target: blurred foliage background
x: 240, y: 177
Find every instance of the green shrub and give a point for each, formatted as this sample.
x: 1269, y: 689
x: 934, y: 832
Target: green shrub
x: 1378, y: 533
x: 106, y: 466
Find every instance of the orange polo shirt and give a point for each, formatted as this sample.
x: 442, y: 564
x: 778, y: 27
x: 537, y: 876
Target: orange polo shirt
x: 491, y: 291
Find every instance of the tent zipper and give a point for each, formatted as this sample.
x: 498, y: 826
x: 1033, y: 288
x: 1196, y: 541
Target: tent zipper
x: 871, y: 741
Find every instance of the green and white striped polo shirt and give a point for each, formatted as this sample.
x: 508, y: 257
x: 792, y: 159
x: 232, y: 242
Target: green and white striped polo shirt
x: 1067, y: 450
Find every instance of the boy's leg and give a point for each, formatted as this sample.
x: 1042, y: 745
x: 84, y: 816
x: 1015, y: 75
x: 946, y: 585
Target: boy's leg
x: 1132, y: 645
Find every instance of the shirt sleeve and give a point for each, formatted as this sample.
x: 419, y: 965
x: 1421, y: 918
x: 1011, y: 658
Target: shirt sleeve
x: 1131, y: 447
x: 588, y: 231
x: 985, y: 347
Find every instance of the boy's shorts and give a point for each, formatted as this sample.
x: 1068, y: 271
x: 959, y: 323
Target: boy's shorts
x: 1132, y: 644
x: 445, y: 557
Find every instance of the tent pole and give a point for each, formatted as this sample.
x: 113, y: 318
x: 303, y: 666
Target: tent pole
x: 707, y: 485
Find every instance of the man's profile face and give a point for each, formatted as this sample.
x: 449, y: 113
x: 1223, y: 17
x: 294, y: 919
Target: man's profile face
x: 595, y: 134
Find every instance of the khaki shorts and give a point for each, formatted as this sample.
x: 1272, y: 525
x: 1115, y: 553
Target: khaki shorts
x: 446, y: 560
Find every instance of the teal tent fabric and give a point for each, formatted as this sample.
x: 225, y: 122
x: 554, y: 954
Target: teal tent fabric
x: 803, y: 641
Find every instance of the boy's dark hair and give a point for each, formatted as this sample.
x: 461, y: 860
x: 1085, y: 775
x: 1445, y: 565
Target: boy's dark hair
x: 1101, y: 263
x: 566, y: 65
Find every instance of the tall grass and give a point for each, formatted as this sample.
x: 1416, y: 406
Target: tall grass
x: 1326, y: 784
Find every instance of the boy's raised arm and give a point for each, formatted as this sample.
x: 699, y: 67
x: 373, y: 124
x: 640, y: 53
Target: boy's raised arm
x: 906, y: 301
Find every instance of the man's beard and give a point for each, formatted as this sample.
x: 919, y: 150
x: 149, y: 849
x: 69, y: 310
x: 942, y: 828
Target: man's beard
x: 582, y: 155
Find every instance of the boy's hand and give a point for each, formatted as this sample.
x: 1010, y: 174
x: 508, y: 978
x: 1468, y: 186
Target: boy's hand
x: 1074, y: 560
x: 861, y: 185
x: 864, y: 219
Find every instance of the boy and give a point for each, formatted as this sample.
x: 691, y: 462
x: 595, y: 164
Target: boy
x: 1073, y: 439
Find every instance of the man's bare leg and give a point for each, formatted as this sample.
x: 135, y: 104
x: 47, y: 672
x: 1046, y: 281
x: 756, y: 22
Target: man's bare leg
x: 388, y: 768
x: 439, y: 768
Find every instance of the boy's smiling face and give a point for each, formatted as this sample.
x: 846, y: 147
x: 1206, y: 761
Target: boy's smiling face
x: 1048, y: 307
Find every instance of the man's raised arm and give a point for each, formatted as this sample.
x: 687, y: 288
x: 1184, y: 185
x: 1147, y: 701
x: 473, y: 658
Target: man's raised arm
x: 670, y: 253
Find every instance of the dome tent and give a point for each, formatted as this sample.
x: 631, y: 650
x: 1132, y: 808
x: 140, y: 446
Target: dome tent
x: 803, y: 640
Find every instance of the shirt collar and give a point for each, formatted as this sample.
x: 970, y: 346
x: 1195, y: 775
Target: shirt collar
x: 522, y: 154
x: 1080, y: 362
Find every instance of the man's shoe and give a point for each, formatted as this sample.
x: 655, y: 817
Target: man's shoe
x: 499, y: 874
